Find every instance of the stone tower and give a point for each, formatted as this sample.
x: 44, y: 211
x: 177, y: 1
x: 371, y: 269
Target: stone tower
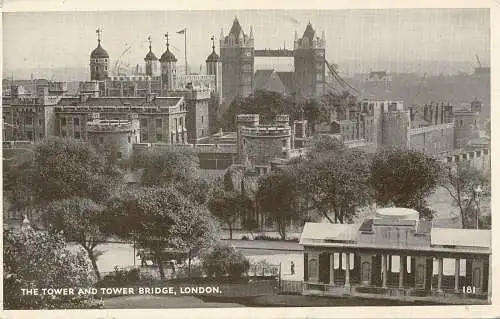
x: 237, y: 55
x: 99, y: 61
x: 168, y: 68
x: 309, y: 62
x: 214, y: 67
x: 152, y: 63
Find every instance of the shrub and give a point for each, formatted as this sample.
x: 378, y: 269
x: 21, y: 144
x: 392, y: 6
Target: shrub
x: 225, y: 261
x: 244, y: 237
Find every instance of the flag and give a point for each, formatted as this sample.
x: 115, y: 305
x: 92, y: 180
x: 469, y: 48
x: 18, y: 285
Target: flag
x: 182, y: 31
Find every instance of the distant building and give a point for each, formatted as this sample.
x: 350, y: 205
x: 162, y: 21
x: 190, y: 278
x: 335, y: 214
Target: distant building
x: 309, y: 63
x: 237, y: 56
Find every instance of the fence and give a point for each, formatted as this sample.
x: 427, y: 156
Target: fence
x: 291, y: 286
x: 264, y: 270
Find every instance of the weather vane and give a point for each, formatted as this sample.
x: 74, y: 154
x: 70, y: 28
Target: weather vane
x: 99, y: 33
x: 166, y: 37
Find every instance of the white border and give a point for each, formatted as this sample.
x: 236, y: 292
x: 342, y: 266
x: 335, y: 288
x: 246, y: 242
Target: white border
x: 323, y: 312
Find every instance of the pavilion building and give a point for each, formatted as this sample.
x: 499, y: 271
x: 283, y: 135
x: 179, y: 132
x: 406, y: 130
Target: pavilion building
x: 397, y: 255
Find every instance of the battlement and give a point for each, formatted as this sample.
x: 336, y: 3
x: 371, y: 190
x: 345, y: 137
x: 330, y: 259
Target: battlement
x: 282, y: 118
x: 266, y: 131
x: 108, y: 126
x: 241, y: 118
x: 427, y: 129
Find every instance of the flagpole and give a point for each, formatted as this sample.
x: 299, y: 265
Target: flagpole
x: 185, y: 52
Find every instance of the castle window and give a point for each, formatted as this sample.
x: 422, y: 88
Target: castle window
x: 202, y: 119
x: 129, y: 139
x: 181, y: 120
x: 101, y: 140
x: 461, y: 123
x: 284, y: 143
x: 76, y: 121
x: 119, y: 155
x: 63, y: 121
x: 77, y: 134
x: 159, y: 137
x: 158, y: 123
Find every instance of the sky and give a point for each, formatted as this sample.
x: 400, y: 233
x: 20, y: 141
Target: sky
x: 365, y: 38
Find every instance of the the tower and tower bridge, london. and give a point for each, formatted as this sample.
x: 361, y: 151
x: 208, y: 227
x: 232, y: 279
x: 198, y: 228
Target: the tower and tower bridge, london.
x: 165, y: 108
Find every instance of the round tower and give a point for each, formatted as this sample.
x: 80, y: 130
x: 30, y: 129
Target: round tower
x: 151, y: 62
x: 99, y: 61
x: 214, y: 67
x: 168, y: 68
x: 242, y: 121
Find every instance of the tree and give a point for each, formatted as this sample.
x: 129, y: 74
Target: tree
x: 225, y: 260
x: 80, y: 220
x: 65, y: 168
x: 335, y: 183
x: 312, y: 112
x: 265, y: 103
x: 324, y: 143
x: 163, y: 167
x: 404, y: 178
x: 160, y: 218
x: 277, y: 197
x: 35, y: 259
x: 229, y: 207
x: 463, y: 184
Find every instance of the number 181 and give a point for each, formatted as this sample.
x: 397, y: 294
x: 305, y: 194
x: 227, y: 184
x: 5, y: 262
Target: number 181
x: 469, y: 289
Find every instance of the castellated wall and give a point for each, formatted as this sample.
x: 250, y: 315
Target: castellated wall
x: 113, y: 137
x: 262, y: 144
x: 433, y: 139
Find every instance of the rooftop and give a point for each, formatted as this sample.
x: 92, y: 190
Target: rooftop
x: 120, y: 101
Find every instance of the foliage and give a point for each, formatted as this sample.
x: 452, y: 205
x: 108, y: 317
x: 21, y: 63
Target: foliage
x: 277, y: 196
x: 80, y: 220
x: 225, y: 261
x: 404, y: 178
x: 311, y: 111
x: 335, y: 183
x: 462, y: 184
x: 265, y: 103
x: 40, y: 260
x: 163, y: 167
x: 324, y: 143
x: 120, y: 277
x: 160, y: 218
x: 229, y: 207
x: 64, y: 168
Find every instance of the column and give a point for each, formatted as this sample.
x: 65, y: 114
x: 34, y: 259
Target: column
x: 384, y: 270
x: 317, y: 268
x: 332, y: 269
x: 440, y: 274
x: 402, y: 266
x: 457, y: 273
x: 347, y: 269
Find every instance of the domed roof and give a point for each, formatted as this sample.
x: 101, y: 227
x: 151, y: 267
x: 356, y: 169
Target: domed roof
x: 397, y: 213
x: 168, y: 56
x: 150, y: 56
x: 99, y: 52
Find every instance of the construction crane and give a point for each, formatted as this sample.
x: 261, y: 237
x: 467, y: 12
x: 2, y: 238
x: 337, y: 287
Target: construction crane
x: 478, y: 62
x: 118, y: 62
